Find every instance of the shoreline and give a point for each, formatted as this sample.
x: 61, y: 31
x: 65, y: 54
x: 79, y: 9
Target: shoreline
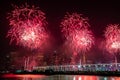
x: 98, y: 73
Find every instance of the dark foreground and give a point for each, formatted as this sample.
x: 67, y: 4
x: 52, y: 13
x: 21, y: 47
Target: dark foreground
x: 50, y: 72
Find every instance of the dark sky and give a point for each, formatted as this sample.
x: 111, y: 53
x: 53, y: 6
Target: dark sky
x: 100, y: 13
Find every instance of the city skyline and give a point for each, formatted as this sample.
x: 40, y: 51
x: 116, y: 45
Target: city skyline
x: 99, y: 14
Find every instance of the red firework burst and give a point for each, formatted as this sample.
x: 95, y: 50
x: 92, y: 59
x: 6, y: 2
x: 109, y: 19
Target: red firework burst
x: 73, y: 22
x: 75, y: 29
x: 112, y: 35
x: 82, y: 40
x: 27, y: 26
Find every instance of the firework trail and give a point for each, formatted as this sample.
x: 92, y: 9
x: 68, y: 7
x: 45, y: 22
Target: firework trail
x: 79, y: 38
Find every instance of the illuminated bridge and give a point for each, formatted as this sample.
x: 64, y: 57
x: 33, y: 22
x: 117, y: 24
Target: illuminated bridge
x: 84, y: 67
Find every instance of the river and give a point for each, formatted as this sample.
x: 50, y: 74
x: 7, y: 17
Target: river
x: 56, y: 77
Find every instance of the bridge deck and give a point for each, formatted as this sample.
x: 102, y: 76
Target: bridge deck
x: 84, y: 67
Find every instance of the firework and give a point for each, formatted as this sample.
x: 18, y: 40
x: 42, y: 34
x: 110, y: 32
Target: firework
x: 76, y: 32
x: 73, y: 22
x: 112, y: 35
x: 78, y: 37
x: 27, y: 26
x: 82, y: 40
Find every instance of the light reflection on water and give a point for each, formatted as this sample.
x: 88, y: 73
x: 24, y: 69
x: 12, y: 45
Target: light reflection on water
x: 57, y: 77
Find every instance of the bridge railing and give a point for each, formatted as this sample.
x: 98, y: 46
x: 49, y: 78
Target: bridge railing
x: 84, y: 67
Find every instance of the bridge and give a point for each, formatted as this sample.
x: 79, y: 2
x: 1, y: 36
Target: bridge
x: 83, y: 67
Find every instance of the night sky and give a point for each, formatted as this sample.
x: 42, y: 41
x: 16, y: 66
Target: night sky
x: 100, y: 14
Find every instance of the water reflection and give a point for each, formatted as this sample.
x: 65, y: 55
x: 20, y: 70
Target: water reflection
x: 95, y: 78
x: 57, y: 77
x: 23, y: 77
x: 85, y: 78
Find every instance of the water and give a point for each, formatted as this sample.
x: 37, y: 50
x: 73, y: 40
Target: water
x: 56, y: 77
